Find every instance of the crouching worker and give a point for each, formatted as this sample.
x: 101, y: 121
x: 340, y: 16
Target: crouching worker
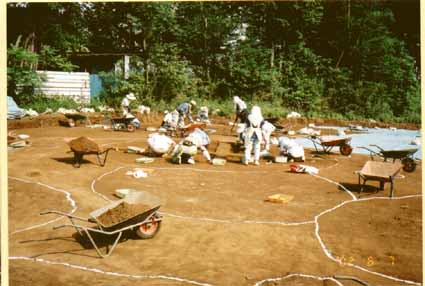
x: 291, y: 149
x: 203, y: 115
x: 253, y: 135
x: 185, y: 110
x: 188, y: 147
x: 160, y: 144
x: 126, y: 111
x: 170, y: 120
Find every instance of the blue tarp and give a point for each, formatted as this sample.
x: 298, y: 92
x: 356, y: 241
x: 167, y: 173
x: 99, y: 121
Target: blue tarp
x: 399, y: 139
x: 13, y: 111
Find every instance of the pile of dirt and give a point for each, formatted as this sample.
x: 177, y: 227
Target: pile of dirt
x: 120, y: 213
x: 83, y: 145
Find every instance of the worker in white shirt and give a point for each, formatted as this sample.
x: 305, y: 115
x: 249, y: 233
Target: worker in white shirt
x: 188, y: 147
x: 253, y: 135
x: 126, y: 111
x: 291, y: 149
x: 160, y: 144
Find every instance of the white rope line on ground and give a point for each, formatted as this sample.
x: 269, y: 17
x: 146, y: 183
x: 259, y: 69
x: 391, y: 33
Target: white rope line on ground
x: 99, y: 178
x: 324, y: 248
x: 68, y: 197
x: 200, y: 218
x: 204, y: 170
x: 321, y: 278
x: 338, y: 184
x: 330, y: 256
x: 117, y: 274
x: 235, y: 221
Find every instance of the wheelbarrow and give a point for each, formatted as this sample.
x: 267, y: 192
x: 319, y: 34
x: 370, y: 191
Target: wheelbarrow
x: 136, y: 212
x: 328, y: 143
x: 83, y: 146
x: 183, y: 131
x: 382, y: 172
x: 123, y: 124
x: 404, y: 155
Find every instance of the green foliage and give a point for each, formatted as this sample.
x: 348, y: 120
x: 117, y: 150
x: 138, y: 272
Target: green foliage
x: 22, y: 79
x: 277, y: 54
x: 49, y: 59
x: 40, y: 103
x: 171, y: 77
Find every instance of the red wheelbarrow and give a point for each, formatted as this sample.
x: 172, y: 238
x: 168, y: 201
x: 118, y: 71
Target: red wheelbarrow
x: 328, y: 143
x: 136, y: 212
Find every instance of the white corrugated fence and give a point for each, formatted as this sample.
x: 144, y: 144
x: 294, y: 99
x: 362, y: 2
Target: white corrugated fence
x: 75, y: 85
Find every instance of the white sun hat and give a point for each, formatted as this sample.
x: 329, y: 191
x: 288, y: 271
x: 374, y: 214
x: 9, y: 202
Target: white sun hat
x: 131, y: 96
x: 255, y: 117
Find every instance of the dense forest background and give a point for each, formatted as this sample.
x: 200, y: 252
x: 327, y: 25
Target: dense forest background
x: 341, y: 59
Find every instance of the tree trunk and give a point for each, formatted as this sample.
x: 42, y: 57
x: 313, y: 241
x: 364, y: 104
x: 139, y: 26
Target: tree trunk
x: 271, y: 68
x: 145, y: 61
x: 272, y: 56
x: 205, y: 49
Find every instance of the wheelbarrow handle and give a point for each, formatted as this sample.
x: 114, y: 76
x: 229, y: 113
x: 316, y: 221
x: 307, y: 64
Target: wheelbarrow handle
x: 62, y: 214
x: 374, y: 145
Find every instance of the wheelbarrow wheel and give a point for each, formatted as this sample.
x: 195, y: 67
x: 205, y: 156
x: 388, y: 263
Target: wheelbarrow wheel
x: 130, y: 128
x: 149, y: 229
x: 345, y: 149
x: 409, y: 165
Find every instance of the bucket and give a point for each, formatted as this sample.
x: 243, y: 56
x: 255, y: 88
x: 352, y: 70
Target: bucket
x: 218, y: 162
x: 122, y: 193
x: 144, y: 160
x: 134, y: 149
x: 281, y: 159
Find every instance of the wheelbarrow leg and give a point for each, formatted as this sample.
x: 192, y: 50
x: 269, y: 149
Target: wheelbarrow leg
x: 361, y: 185
x: 78, y: 157
x: 391, y: 187
x: 102, y: 163
x: 107, y: 253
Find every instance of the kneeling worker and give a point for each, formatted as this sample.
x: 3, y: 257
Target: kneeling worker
x: 292, y: 149
x: 188, y: 147
x: 160, y: 144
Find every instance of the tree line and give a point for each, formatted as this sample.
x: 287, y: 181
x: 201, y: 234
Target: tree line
x: 353, y: 59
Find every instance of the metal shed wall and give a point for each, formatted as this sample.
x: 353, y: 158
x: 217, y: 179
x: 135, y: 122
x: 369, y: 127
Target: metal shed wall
x: 75, y: 85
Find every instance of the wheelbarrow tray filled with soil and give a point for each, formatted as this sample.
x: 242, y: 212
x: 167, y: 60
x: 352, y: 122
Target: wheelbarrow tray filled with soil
x: 137, y: 212
x: 131, y: 210
x: 83, y: 146
x: 123, y: 124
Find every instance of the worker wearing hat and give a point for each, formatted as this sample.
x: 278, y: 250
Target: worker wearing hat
x: 125, y: 103
x: 185, y: 110
x: 126, y: 111
x: 253, y: 135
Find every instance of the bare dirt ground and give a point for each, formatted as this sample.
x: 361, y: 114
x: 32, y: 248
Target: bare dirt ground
x: 217, y: 229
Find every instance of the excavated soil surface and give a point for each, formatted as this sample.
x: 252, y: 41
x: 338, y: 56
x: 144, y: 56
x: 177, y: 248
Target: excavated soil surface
x: 216, y: 228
